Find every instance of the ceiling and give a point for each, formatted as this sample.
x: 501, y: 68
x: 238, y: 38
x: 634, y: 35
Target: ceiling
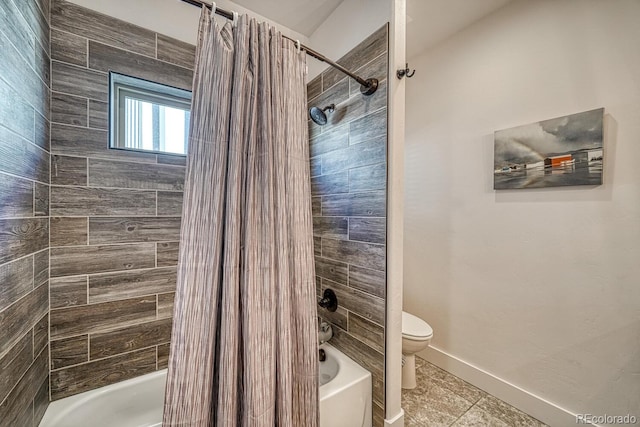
x: 303, y: 16
x: 430, y: 22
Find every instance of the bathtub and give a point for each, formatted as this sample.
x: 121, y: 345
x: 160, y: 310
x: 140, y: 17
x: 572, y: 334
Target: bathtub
x: 345, y: 399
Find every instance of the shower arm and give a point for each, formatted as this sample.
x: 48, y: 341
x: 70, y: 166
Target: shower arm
x: 367, y: 86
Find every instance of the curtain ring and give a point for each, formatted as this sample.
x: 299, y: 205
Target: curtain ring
x: 298, y: 45
x: 213, y: 9
x: 235, y: 19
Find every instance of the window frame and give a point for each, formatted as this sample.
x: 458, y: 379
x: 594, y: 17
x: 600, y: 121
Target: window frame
x: 122, y: 86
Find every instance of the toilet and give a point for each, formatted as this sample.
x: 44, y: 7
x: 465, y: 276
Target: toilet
x: 416, y: 336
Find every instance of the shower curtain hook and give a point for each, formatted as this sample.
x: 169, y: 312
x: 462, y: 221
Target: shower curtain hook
x: 298, y: 45
x: 213, y: 9
x: 235, y: 19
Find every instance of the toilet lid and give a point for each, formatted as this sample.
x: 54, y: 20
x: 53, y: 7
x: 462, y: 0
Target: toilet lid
x: 415, y: 327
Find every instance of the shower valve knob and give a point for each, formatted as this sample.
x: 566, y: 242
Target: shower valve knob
x: 329, y: 300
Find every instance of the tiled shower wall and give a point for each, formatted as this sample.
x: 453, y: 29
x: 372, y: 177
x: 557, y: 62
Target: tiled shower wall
x: 348, y: 184
x: 24, y: 211
x: 115, y: 215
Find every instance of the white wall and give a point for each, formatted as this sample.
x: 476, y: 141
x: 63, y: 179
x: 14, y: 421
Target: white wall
x: 173, y: 18
x: 540, y: 288
x: 347, y: 26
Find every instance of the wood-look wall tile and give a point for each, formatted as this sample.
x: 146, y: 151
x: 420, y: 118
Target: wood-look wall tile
x: 68, y: 109
x: 69, y: 351
x: 98, y: 115
x: 106, y: 173
x: 67, y: 47
x: 97, y: 26
x: 17, y: 30
x: 331, y: 269
x: 317, y: 246
x: 333, y: 139
x: 338, y: 317
x: 316, y: 206
x: 41, y: 402
x: 378, y: 415
x: 41, y: 199
x: 170, y: 203
x: 315, y: 166
x: 18, y: 73
x: 368, y: 178
x: 75, y: 260
x: 128, y: 284
x: 22, y: 158
x: 167, y: 253
x: 367, y: 153
x: 22, y: 236
x: 176, y: 52
x: 105, y: 230
x: 17, y: 280
x: 77, y: 141
x: 165, y: 305
x: 14, y: 364
x: 15, y: 113
x: 368, y: 306
x: 40, y: 267
x: 371, y: 126
x: 67, y: 170
x: 68, y: 231
x: 130, y: 338
x: 107, y: 58
x: 367, y: 50
x: 357, y: 253
x: 36, y: 21
x: 370, y: 203
x: 367, y: 280
x: 17, y: 409
x: 334, y: 183
x: 68, y: 291
x: 378, y: 68
x: 368, y: 332
x: 331, y: 226
x: 314, y: 129
x: 74, y: 80
x: 88, y: 376
x: 41, y: 335
x: 19, y: 318
x: 84, y: 201
x: 170, y: 159
x: 86, y: 319
x: 17, y: 197
x: 42, y: 134
x: 314, y: 88
x: 372, y: 230
x: 360, y: 105
x: 335, y: 93
x: 369, y: 358
x: 163, y: 356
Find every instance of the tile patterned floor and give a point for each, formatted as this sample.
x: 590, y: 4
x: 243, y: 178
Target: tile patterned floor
x: 442, y: 399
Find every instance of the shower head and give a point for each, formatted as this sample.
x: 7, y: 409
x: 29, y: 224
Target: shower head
x: 318, y: 115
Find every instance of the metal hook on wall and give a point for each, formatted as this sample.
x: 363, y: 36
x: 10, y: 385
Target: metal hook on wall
x: 406, y: 72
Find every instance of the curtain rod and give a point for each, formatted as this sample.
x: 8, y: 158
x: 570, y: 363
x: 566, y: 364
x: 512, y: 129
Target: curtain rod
x: 367, y: 86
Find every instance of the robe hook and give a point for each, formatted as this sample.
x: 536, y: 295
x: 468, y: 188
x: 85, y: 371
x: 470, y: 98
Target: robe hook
x: 406, y: 72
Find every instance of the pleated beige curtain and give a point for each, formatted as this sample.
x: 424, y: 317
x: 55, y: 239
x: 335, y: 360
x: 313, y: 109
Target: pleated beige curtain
x: 244, y: 342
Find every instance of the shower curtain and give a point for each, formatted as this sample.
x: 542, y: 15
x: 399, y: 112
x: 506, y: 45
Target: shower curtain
x: 244, y: 342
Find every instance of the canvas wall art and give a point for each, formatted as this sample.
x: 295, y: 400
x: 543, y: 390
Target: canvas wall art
x: 557, y: 152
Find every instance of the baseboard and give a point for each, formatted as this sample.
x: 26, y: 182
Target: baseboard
x: 397, y: 421
x: 533, y: 405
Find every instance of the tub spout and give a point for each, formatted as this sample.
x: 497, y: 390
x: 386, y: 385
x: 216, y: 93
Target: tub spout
x: 325, y: 333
